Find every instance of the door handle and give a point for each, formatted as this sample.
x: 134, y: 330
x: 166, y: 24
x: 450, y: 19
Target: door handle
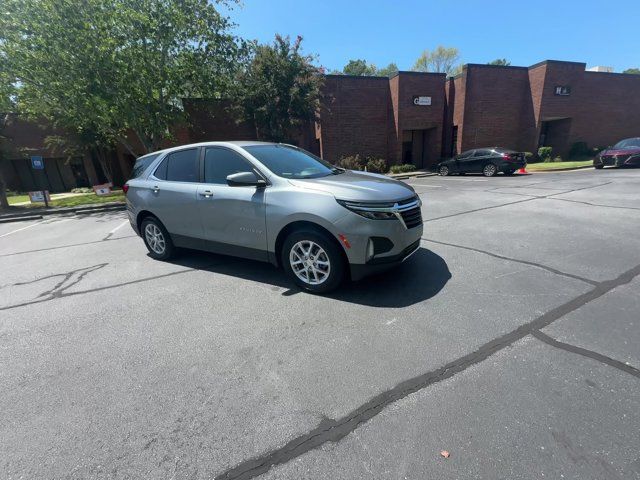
x: 206, y: 193
x: 156, y: 189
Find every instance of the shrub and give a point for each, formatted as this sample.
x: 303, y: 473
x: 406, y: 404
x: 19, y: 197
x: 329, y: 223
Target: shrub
x: 579, y: 150
x: 82, y: 190
x: 405, y: 167
x: 530, y: 157
x: 558, y: 158
x: 545, y: 153
x: 352, y: 162
x: 377, y: 165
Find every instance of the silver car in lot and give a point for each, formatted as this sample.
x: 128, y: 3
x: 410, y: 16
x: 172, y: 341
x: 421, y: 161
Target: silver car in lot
x: 275, y: 203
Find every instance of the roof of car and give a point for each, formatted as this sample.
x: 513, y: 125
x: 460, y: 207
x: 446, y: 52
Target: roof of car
x: 238, y: 143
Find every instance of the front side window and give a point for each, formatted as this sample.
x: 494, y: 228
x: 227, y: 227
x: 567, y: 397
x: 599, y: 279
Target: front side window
x: 182, y: 166
x: 465, y: 155
x: 289, y: 162
x: 222, y: 162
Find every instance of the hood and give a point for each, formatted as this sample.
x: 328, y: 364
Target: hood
x: 359, y: 186
x: 621, y: 151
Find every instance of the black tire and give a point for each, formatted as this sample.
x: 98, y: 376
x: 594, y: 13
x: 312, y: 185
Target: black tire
x: 509, y: 172
x: 489, y: 170
x: 443, y: 171
x: 149, y: 226
x: 336, y: 271
x: 598, y: 167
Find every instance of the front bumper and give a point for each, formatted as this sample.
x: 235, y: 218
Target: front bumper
x: 359, y: 231
x: 617, y: 160
x: 359, y: 271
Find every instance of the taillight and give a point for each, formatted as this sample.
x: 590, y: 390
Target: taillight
x: 125, y: 188
x: 508, y: 158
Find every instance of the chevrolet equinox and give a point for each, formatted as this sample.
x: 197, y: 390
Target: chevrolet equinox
x: 276, y: 203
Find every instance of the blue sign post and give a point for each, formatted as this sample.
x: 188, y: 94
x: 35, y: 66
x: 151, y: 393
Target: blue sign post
x: 37, y: 163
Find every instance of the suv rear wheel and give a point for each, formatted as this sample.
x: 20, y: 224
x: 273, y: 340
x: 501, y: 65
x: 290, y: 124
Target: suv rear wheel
x: 157, y: 239
x: 313, y: 261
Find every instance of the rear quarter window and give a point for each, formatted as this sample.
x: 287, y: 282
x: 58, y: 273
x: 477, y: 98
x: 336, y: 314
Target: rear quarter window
x: 142, y: 164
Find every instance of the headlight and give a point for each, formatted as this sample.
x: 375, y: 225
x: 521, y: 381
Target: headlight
x: 377, y: 212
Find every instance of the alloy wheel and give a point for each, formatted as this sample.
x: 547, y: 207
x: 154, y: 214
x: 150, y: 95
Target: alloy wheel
x: 309, y: 262
x: 444, y: 171
x: 155, y: 238
x: 489, y: 170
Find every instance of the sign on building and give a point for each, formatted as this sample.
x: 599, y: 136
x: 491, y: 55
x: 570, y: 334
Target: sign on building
x: 421, y: 100
x: 563, y: 90
x: 37, y: 162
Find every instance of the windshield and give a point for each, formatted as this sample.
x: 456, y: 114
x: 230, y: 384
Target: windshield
x: 628, y: 143
x: 289, y: 162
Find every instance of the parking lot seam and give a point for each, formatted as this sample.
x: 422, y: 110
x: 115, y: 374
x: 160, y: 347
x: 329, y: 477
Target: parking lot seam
x: 479, y: 209
x: 516, y: 260
x: 66, y: 246
x: 594, y: 204
x: 586, y: 353
x: 335, y: 430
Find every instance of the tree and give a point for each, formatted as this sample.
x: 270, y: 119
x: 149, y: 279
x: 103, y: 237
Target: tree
x: 388, y: 71
x: 500, y: 61
x: 359, y: 68
x: 7, y: 91
x: 635, y: 71
x: 107, y: 71
x: 280, y: 90
x: 442, y: 60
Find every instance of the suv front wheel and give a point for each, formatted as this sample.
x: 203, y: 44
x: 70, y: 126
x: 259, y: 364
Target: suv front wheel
x: 313, y: 261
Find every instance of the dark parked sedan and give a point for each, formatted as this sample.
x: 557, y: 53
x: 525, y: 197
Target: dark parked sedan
x: 624, y: 153
x: 488, y: 161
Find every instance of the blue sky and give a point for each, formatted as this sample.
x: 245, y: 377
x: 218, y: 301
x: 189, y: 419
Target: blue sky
x: 525, y: 32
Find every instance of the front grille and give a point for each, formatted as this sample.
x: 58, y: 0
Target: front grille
x: 412, y: 218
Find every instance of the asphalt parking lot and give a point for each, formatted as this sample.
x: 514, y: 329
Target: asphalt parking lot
x: 510, y: 340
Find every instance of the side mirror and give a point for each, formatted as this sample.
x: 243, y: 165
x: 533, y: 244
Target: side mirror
x: 245, y: 179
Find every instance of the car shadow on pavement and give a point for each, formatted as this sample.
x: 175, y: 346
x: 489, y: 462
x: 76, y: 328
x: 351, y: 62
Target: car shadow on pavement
x: 419, y: 278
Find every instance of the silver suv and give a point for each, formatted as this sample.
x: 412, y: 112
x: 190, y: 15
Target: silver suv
x: 275, y: 203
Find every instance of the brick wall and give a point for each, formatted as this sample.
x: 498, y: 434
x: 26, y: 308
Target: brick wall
x: 354, y: 116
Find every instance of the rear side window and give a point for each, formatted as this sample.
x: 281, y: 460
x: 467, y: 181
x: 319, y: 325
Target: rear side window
x: 481, y: 153
x: 221, y: 162
x: 142, y: 164
x: 181, y: 166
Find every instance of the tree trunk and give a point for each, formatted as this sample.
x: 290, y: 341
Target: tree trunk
x: 104, y: 164
x: 4, y: 202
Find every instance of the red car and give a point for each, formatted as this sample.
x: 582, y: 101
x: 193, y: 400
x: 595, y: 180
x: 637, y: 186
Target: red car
x: 624, y: 153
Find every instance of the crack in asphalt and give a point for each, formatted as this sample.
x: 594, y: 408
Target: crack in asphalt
x: 586, y: 353
x: 60, y: 287
x: 63, y: 294
x: 334, y: 430
x: 66, y: 246
x: 516, y: 260
x: 596, y: 204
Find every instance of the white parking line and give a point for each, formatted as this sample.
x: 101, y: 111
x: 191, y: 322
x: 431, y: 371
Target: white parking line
x: 23, y: 228
x: 118, y: 227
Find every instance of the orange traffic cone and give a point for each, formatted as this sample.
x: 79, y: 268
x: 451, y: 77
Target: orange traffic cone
x: 523, y: 170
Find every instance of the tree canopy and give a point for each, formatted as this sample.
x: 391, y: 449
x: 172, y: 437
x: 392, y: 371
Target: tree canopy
x: 280, y: 90
x: 105, y: 69
x: 361, y: 67
x: 635, y: 71
x: 500, y: 61
x: 441, y: 59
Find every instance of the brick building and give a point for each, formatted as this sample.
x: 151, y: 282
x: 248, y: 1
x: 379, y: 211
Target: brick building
x: 411, y: 117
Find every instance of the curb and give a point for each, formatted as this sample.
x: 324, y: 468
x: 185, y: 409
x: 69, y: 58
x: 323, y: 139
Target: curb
x: 403, y: 176
x: 38, y: 214
x: 561, y: 169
